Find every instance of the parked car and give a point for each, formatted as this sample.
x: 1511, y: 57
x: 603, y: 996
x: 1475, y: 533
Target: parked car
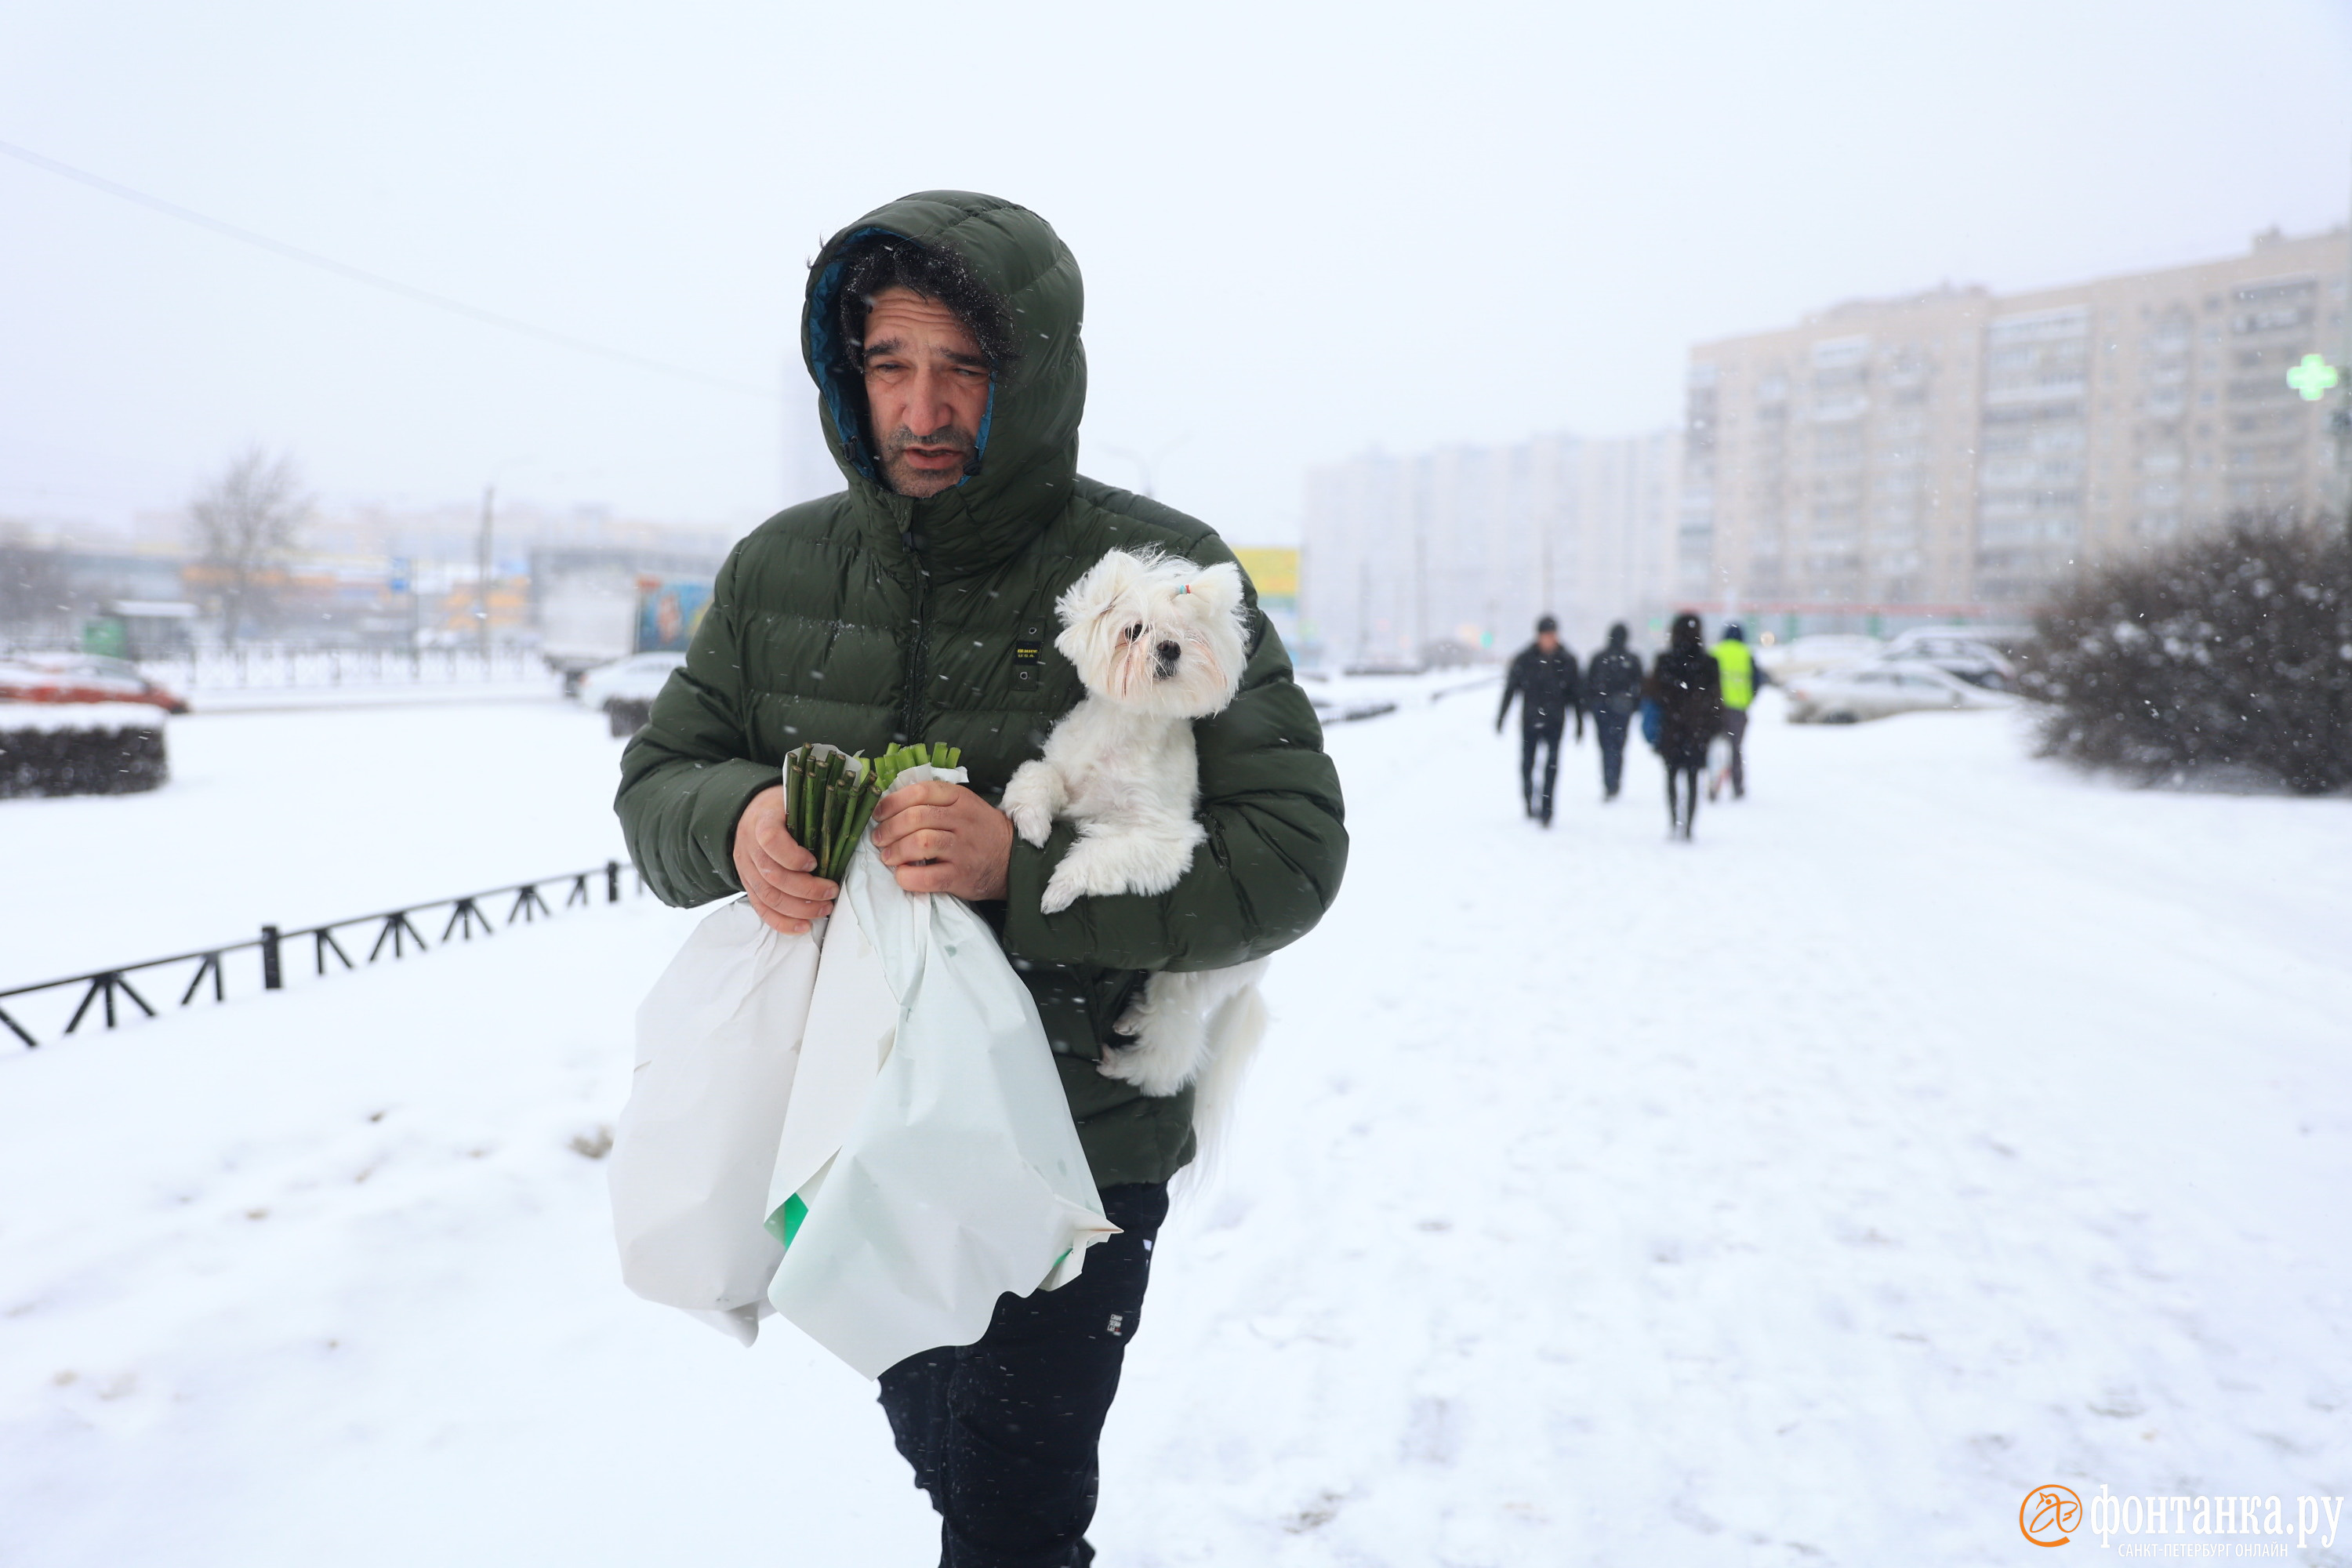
x: 82, y: 677
x: 1876, y: 691
x: 637, y: 678
x: 1825, y: 650
x: 1978, y: 663
x: 625, y: 690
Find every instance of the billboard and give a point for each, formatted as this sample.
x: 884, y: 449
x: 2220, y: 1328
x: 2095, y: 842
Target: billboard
x: 1275, y: 574
x: 668, y: 611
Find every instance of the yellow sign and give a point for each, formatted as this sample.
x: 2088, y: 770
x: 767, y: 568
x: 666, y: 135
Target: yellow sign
x: 1274, y: 572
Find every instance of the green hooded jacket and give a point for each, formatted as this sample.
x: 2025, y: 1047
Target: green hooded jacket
x: 868, y: 618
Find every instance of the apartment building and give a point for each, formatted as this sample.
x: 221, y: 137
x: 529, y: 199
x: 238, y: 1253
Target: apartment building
x: 1403, y: 557
x: 1951, y: 455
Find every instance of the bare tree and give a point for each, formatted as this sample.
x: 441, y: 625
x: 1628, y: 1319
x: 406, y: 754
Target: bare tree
x: 246, y: 523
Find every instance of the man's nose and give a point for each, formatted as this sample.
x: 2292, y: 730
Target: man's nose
x: 928, y: 407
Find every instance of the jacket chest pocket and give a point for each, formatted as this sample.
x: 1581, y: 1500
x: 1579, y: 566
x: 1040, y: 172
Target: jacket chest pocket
x: 988, y: 669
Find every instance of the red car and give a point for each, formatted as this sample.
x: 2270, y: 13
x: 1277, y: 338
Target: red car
x: 80, y: 677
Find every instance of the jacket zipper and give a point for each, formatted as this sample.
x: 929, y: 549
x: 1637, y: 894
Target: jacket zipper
x: 911, y: 718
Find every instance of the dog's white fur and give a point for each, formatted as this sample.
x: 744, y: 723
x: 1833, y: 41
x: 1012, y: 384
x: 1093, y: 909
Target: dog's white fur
x: 1159, y: 642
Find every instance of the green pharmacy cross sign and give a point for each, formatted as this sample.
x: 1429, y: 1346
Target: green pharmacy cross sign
x: 2313, y: 377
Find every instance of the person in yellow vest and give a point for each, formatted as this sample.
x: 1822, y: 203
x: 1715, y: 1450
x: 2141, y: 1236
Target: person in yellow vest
x: 1743, y: 678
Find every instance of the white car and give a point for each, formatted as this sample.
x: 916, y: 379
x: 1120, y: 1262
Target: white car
x: 1804, y: 655
x: 1876, y: 691
x: 1978, y: 663
x: 637, y: 678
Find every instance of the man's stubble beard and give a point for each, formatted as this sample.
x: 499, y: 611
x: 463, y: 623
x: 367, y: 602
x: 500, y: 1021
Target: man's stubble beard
x: 918, y: 483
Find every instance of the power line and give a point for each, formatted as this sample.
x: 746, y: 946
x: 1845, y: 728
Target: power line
x: 408, y: 291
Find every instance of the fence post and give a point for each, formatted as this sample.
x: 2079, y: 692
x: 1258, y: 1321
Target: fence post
x: 612, y: 882
x: 270, y: 978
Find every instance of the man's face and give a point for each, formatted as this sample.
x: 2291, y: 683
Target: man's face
x: 926, y: 390
x: 1547, y: 641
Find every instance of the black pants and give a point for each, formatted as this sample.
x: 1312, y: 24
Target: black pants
x: 1735, y: 725
x: 1530, y: 736
x: 1609, y: 728
x: 1002, y: 1432
x: 1681, y: 817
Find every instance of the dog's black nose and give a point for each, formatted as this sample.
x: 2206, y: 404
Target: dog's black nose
x: 1169, y: 652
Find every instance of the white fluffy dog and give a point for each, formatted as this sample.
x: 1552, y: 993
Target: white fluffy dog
x: 1159, y: 642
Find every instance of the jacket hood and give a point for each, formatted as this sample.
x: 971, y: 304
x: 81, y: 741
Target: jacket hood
x: 1028, y: 438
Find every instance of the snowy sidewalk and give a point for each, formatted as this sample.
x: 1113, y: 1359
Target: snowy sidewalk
x: 1935, y: 1126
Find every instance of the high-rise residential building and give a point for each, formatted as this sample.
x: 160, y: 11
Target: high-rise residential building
x: 1954, y: 454
x: 1403, y: 558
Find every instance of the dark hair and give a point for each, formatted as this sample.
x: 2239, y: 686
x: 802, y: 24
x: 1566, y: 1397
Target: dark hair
x: 1546, y: 625
x: 1685, y: 631
x: 936, y: 272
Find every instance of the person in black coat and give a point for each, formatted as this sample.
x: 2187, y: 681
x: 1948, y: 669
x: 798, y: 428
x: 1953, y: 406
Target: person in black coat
x: 1687, y: 686
x: 1612, y: 690
x: 1543, y: 677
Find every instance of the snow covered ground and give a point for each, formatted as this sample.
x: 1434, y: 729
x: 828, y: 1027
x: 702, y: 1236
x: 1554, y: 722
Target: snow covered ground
x: 1938, y: 1125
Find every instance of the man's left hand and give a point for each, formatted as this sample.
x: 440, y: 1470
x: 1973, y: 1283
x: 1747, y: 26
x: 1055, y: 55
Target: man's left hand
x: 940, y: 837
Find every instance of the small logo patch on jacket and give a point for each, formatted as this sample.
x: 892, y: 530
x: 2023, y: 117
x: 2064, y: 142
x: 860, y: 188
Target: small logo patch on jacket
x: 1118, y: 1321
x: 1027, y: 652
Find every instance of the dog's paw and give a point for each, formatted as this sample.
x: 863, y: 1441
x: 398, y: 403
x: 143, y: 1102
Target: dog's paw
x: 1068, y: 884
x: 1088, y: 871
x: 1028, y: 800
x: 1146, y: 1066
x: 1031, y: 821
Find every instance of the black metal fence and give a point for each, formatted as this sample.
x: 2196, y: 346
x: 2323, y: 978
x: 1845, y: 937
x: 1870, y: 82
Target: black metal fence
x: 110, y: 994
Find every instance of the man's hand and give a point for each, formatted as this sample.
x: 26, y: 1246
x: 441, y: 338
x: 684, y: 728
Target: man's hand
x: 775, y: 871
x: 940, y: 837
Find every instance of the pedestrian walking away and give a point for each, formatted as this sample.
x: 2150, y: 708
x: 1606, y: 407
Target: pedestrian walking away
x: 917, y: 606
x: 1612, y: 690
x: 1743, y: 678
x: 1687, y: 686
x: 1544, y: 681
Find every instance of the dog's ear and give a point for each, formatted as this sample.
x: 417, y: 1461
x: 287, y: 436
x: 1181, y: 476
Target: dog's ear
x: 1090, y: 630
x: 1098, y: 588
x: 1220, y: 586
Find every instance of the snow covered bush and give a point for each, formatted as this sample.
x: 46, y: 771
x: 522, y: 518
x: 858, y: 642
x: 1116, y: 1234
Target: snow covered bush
x: 110, y: 748
x: 2231, y: 650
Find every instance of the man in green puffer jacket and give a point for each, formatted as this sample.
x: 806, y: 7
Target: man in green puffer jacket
x: 943, y: 331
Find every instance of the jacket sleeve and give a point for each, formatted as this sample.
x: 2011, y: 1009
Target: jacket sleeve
x: 688, y: 775
x: 1276, y: 848
x: 1510, y: 689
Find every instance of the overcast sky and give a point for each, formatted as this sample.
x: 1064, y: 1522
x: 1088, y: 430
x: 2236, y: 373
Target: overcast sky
x: 1306, y: 229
